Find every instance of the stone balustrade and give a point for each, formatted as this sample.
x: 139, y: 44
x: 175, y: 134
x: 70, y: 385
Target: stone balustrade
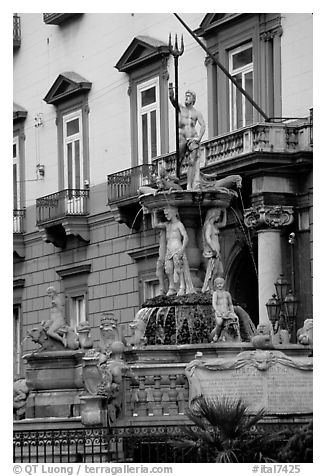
x: 264, y: 137
x: 156, y: 392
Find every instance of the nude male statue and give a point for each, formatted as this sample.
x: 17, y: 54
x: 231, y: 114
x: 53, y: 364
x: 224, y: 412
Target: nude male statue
x: 176, y: 242
x: 189, y: 139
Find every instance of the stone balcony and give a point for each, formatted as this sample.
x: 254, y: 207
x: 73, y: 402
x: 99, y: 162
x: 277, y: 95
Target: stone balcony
x: 262, y: 146
x: 62, y: 214
x: 57, y: 18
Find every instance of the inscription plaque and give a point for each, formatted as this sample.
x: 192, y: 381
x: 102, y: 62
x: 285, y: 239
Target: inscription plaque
x: 263, y: 379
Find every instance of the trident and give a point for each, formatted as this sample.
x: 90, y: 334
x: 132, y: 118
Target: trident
x: 176, y: 52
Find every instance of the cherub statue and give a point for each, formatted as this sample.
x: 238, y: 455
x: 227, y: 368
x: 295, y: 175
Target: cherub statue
x: 227, y: 322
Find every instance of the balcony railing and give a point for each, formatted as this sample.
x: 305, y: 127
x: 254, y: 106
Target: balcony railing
x: 267, y: 137
x: 18, y: 222
x: 125, y: 184
x: 57, y: 18
x: 16, y: 31
x: 58, y: 205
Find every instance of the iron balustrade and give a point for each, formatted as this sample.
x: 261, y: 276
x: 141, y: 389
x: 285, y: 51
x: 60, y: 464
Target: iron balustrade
x: 18, y: 222
x: 61, y: 204
x: 16, y: 31
x: 132, y: 444
x: 264, y: 137
x: 89, y: 445
x: 125, y: 184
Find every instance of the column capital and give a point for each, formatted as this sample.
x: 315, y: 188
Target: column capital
x: 268, y: 216
x: 272, y: 33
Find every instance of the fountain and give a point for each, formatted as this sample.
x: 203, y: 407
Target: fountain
x: 187, y: 317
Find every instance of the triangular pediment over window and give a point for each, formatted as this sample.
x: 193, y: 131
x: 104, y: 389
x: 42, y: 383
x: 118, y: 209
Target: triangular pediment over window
x: 141, y: 50
x: 213, y: 20
x: 66, y: 85
x: 19, y: 113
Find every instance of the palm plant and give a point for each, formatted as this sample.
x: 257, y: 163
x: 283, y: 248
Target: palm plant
x: 225, y: 432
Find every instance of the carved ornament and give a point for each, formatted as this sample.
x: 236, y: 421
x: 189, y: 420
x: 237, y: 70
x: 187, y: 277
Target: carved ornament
x: 268, y: 216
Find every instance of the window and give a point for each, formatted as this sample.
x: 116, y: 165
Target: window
x: 241, y: 69
x: 69, y: 93
x: 145, y: 61
x: 248, y: 45
x: 78, y: 313
x: 75, y: 287
x: 18, y: 163
x: 16, y: 174
x: 73, y: 150
x: 151, y: 289
x: 17, y: 337
x: 148, y: 120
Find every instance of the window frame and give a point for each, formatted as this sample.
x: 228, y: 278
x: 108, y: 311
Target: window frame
x: 70, y: 108
x: 72, y: 139
x: 75, y: 285
x: 249, y: 68
x: 17, y: 338
x: 18, y: 289
x: 75, y: 318
x: 146, y: 73
x: 17, y: 184
x: 264, y: 30
x: 141, y: 111
x: 19, y: 139
x: 150, y: 284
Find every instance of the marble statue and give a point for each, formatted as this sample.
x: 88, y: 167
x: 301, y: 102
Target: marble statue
x: 305, y: 333
x: 83, y: 331
x: 175, y: 263
x: 227, y: 322
x: 54, y: 334
x: 189, y: 138
x: 108, y: 331
x: 160, y: 265
x: 138, y: 328
x: 20, y: 394
x: 215, y: 219
x: 263, y: 337
x: 164, y: 181
x: 57, y: 319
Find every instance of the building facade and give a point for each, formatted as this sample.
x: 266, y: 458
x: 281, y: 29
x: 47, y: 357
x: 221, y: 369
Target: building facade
x: 91, y: 122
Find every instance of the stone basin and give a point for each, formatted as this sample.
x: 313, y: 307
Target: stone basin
x: 187, y: 200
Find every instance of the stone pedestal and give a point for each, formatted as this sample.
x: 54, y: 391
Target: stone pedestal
x: 93, y: 410
x: 55, y: 382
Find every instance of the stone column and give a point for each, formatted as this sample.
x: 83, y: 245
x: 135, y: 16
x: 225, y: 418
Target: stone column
x: 269, y: 221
